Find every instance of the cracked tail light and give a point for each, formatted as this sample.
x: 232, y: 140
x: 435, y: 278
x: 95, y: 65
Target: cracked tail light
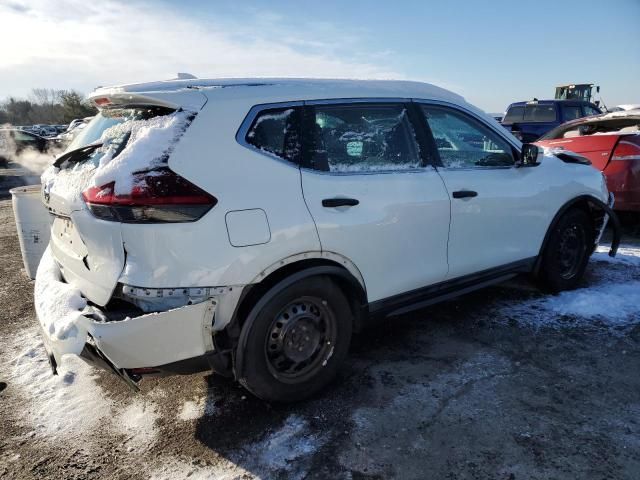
x: 628, y: 148
x: 157, y: 196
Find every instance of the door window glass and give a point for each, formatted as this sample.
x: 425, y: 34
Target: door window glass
x: 514, y: 114
x: 463, y: 142
x: 363, y: 138
x: 589, y: 110
x: 540, y: 113
x: 275, y: 131
x: 571, y: 112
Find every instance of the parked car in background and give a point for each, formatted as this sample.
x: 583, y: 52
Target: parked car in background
x: 623, y: 108
x: 612, y: 143
x: 528, y: 121
x: 323, y: 204
x: 14, y: 141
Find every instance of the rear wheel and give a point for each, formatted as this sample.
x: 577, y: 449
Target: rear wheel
x: 297, y: 341
x: 566, y: 255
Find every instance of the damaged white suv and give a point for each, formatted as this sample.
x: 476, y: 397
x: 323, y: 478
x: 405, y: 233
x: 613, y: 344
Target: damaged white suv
x: 250, y: 226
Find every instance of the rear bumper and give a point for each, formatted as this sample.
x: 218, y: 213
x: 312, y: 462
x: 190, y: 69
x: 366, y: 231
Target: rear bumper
x: 119, y: 344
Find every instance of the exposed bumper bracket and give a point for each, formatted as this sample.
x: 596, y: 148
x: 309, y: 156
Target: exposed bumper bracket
x: 94, y: 355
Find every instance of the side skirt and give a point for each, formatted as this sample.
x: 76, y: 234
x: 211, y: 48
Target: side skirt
x: 423, y: 297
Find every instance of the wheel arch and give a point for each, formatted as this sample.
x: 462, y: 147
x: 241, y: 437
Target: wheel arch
x: 595, y: 208
x: 282, y: 275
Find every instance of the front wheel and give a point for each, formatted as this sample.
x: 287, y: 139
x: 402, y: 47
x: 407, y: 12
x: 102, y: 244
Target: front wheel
x: 567, y: 252
x: 297, y: 341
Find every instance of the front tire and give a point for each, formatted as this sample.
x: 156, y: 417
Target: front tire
x: 567, y: 252
x: 297, y: 341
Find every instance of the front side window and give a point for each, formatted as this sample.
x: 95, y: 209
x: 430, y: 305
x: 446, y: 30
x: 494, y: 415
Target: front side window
x: 363, y: 138
x: 571, y: 112
x: 463, y: 142
x: 276, y: 131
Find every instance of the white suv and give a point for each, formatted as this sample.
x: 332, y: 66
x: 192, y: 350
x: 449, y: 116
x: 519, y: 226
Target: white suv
x: 250, y: 226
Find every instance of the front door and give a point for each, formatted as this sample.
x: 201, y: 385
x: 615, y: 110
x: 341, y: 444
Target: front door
x: 372, y: 198
x: 499, y: 213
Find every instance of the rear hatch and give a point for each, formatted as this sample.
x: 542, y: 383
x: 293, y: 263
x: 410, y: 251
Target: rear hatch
x: 108, y: 152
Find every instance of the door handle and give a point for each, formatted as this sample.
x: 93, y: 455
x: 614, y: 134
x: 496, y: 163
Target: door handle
x: 340, y: 202
x: 464, y: 194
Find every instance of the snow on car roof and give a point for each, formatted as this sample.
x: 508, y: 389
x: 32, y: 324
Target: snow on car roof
x: 320, y: 88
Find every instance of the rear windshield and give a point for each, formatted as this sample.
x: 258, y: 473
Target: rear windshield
x: 108, y: 118
x: 608, y: 126
x: 531, y: 114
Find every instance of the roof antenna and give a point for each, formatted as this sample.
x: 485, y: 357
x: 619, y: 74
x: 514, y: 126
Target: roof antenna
x: 186, y: 76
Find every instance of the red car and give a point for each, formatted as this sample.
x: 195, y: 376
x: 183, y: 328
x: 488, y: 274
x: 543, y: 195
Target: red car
x: 612, y: 143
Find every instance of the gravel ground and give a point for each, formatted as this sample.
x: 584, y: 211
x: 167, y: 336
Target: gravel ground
x: 502, y: 384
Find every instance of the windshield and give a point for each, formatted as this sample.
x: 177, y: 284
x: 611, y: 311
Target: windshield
x: 107, y: 118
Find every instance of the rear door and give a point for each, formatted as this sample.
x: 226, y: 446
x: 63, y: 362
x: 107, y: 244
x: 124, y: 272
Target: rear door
x: 372, y: 197
x: 499, y: 213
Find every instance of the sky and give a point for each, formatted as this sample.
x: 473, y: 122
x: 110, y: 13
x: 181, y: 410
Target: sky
x: 492, y: 53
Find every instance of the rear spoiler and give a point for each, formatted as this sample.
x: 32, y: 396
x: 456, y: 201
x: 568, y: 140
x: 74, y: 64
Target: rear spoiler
x: 186, y: 99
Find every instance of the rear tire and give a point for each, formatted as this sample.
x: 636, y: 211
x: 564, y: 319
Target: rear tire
x: 297, y: 341
x: 567, y: 252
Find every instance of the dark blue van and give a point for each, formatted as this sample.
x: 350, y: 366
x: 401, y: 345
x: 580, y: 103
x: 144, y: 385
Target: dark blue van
x: 528, y: 121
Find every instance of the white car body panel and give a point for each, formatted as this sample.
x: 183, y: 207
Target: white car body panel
x: 509, y: 218
x: 380, y: 235
x: 406, y: 233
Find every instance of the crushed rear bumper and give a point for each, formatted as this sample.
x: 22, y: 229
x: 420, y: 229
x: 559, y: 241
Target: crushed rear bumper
x: 123, y: 343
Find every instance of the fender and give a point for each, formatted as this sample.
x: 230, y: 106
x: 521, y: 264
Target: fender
x: 615, y: 242
x: 272, y: 292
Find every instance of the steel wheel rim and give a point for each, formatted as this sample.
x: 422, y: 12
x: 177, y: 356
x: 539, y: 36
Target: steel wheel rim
x: 571, y: 250
x: 300, y: 339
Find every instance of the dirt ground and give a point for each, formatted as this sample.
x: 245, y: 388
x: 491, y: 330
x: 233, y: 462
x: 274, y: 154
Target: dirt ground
x: 505, y: 383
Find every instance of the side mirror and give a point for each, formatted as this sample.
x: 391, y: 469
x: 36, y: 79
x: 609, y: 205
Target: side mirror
x: 529, y: 155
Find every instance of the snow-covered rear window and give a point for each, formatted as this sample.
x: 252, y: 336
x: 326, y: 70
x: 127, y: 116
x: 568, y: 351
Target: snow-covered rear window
x: 108, y: 118
x: 462, y: 142
x: 127, y: 141
x: 363, y: 138
x: 277, y: 131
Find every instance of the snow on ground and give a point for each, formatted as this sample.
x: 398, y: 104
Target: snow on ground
x: 283, y: 453
x: 71, y: 406
x: 66, y: 406
x: 195, y: 409
x: 611, y: 300
x: 137, y: 422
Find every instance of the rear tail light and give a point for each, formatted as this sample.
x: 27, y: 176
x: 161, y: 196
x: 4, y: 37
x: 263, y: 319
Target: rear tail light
x: 627, y: 148
x: 157, y: 196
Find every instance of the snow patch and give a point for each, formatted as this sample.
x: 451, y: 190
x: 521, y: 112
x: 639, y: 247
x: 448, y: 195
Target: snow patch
x: 611, y: 301
x: 137, y: 422
x: 58, y: 306
x: 284, y: 453
x: 65, y: 406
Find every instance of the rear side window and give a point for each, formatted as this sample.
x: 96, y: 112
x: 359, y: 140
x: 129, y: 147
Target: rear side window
x: 571, y: 112
x: 277, y: 131
x: 514, y: 114
x: 540, y: 113
x: 363, y: 138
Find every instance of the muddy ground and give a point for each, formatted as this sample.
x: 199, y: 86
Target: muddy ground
x: 501, y: 384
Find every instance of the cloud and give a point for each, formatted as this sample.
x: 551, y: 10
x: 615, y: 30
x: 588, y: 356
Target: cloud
x: 73, y: 44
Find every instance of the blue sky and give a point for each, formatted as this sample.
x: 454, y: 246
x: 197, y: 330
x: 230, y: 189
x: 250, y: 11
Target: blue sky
x: 490, y: 52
